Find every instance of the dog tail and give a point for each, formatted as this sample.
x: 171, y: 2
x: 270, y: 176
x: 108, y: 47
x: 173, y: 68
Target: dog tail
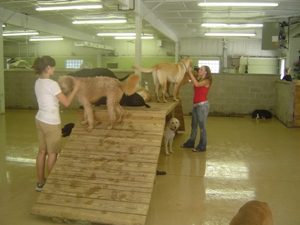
x: 143, y: 70
x: 129, y: 86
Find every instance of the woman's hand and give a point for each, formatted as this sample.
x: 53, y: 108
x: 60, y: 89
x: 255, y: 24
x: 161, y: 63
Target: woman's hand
x: 191, y: 72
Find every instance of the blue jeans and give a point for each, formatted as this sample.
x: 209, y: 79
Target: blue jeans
x: 199, y: 117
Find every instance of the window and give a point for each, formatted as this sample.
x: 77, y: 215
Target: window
x: 214, y: 65
x: 73, y: 63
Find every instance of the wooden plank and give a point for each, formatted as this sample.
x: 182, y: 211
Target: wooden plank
x: 124, y: 149
x: 63, y: 184
x: 87, y: 215
x: 93, y: 204
x: 117, y: 181
x: 106, y: 176
x: 103, y: 163
x: 85, y: 190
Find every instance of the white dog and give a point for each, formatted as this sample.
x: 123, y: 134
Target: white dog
x: 169, y: 134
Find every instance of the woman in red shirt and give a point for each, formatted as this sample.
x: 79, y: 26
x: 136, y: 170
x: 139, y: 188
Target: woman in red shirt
x: 200, y: 108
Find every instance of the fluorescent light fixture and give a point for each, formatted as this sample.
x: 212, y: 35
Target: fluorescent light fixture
x: 132, y: 37
x: 116, y: 34
x: 93, y: 45
x: 99, y: 21
x: 238, y: 4
x: 3, y: 25
x: 224, y: 25
x: 69, y: 7
x: 230, y: 34
x: 19, y: 33
x: 46, y: 38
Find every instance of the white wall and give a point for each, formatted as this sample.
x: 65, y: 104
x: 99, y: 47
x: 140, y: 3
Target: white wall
x: 293, y: 53
x: 214, y: 47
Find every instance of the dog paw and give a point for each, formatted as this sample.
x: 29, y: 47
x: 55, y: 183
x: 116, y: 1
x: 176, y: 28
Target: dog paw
x: 110, y: 127
x: 83, y: 122
x: 89, y: 129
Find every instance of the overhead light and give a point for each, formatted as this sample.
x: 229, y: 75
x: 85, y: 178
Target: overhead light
x: 46, y: 38
x: 99, y: 21
x: 69, y: 7
x: 127, y: 35
x: 116, y: 34
x: 93, y: 45
x: 231, y: 34
x: 3, y: 25
x: 132, y: 37
x: 238, y: 4
x: 19, y: 33
x: 224, y: 25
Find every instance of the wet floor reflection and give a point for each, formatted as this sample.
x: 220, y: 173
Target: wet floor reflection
x: 245, y: 160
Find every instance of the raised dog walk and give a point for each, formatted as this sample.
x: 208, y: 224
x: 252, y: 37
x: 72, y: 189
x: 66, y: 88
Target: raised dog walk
x: 107, y: 176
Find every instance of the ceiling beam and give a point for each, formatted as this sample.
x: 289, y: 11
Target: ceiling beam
x: 149, y: 16
x: 29, y: 22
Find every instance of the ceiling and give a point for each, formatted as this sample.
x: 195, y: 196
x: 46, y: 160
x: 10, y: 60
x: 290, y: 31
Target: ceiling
x: 171, y: 19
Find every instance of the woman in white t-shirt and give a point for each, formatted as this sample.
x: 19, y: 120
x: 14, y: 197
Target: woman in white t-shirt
x: 48, y: 122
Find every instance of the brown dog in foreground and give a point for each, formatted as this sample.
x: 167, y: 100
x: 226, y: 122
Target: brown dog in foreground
x: 167, y: 72
x: 253, y: 213
x: 91, y: 89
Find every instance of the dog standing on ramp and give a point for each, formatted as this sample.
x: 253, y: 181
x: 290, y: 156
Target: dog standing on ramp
x: 169, y: 134
x: 253, y: 213
x: 167, y: 72
x: 93, y: 88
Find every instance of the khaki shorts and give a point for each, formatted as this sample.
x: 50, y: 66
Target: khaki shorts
x: 49, y: 137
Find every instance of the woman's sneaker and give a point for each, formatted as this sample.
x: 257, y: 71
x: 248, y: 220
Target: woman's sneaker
x: 199, y: 150
x: 187, y: 144
x: 39, y: 187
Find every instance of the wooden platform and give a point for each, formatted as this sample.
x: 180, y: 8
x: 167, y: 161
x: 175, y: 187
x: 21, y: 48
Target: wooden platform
x: 107, y: 176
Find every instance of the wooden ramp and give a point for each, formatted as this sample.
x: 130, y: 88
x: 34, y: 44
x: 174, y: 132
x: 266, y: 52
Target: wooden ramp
x: 107, y: 176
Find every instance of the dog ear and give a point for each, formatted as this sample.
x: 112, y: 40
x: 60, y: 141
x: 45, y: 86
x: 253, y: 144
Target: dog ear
x: 66, y: 84
x: 129, y: 86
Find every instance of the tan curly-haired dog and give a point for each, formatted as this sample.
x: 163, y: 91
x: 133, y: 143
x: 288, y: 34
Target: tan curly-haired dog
x: 92, y: 89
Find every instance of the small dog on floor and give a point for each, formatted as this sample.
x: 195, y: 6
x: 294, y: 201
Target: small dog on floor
x: 261, y: 114
x: 169, y: 134
x: 253, y: 213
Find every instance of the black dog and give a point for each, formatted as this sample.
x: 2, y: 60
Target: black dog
x: 261, y: 114
x: 126, y: 100
x: 93, y: 72
x: 67, y: 129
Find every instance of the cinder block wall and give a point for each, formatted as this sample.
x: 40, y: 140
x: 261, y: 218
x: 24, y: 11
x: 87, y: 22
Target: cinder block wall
x: 229, y: 94
x: 232, y: 94
x: 284, y: 106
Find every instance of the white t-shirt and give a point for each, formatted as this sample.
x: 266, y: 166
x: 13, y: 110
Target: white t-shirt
x: 45, y: 92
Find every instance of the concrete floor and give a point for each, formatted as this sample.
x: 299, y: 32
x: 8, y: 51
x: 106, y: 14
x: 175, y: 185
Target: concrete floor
x: 245, y: 160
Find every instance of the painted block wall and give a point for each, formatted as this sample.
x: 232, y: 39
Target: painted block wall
x: 232, y: 94
x: 229, y: 95
x: 284, y: 106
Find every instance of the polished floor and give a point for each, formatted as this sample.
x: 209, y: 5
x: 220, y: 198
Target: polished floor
x: 245, y: 159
